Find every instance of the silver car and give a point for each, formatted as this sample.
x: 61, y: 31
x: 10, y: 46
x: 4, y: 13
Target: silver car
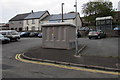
x: 11, y: 34
x: 96, y: 34
x: 4, y: 39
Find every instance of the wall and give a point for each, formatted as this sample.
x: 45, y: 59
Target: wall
x: 16, y: 24
x: 46, y: 14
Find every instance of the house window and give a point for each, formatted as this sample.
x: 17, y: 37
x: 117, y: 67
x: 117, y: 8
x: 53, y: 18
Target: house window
x: 20, y: 22
x: 26, y: 28
x: 39, y: 28
x: 16, y: 29
x: 33, y: 28
x: 12, y: 22
x: 41, y: 22
x: 12, y: 28
x: 20, y: 29
x: 26, y: 21
x: 33, y: 21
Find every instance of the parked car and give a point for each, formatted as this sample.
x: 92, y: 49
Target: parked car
x: 24, y: 34
x: 4, y: 39
x: 40, y: 35
x: 116, y: 28
x: 11, y: 34
x: 33, y: 34
x: 20, y: 33
x: 96, y: 34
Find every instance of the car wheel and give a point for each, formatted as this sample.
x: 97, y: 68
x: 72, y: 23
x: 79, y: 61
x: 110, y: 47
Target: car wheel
x: 16, y: 39
x: 99, y: 37
x: 89, y: 37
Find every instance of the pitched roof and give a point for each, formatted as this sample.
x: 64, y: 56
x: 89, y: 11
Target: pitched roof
x: 35, y: 15
x: 59, y: 17
x: 19, y: 17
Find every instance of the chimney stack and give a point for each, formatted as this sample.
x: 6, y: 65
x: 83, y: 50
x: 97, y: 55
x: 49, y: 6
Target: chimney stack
x: 32, y: 11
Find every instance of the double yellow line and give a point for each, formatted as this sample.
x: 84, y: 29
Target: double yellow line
x: 17, y: 57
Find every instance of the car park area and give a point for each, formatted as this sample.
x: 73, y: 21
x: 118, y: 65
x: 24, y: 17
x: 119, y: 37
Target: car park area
x: 11, y: 34
x: 101, y: 47
x: 7, y: 36
x: 105, y: 47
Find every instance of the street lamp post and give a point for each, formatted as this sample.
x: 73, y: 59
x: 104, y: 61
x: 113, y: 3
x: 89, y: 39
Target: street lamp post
x: 76, y: 29
x: 62, y: 12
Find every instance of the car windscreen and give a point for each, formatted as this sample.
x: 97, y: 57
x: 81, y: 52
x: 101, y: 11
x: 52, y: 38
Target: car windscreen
x: 14, y: 33
x: 22, y: 33
x: 1, y: 36
x: 93, y: 31
x: 3, y: 33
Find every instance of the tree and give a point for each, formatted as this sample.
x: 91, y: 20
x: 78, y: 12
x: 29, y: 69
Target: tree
x: 91, y: 10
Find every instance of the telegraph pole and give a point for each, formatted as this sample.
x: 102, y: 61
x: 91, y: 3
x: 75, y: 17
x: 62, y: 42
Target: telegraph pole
x: 76, y: 28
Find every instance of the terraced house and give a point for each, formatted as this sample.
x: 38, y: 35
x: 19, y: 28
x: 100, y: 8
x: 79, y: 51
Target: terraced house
x: 33, y: 21
x: 28, y: 21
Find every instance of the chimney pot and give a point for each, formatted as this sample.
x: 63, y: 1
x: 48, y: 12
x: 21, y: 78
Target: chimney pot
x: 32, y: 11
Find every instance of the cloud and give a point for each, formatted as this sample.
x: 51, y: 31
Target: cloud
x: 10, y: 8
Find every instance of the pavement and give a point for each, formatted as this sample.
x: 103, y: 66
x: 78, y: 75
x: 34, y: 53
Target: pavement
x: 67, y: 57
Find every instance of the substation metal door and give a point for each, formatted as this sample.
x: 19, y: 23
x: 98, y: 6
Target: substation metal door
x: 58, y: 36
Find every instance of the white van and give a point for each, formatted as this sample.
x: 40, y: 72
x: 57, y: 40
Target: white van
x: 11, y: 34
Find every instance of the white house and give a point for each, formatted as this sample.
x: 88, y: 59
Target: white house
x: 33, y: 21
x: 28, y: 21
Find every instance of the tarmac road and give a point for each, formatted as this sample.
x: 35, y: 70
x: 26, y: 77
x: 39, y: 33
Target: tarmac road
x: 105, y: 47
x: 13, y: 68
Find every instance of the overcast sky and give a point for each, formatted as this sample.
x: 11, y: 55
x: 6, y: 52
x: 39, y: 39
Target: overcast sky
x: 10, y: 8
